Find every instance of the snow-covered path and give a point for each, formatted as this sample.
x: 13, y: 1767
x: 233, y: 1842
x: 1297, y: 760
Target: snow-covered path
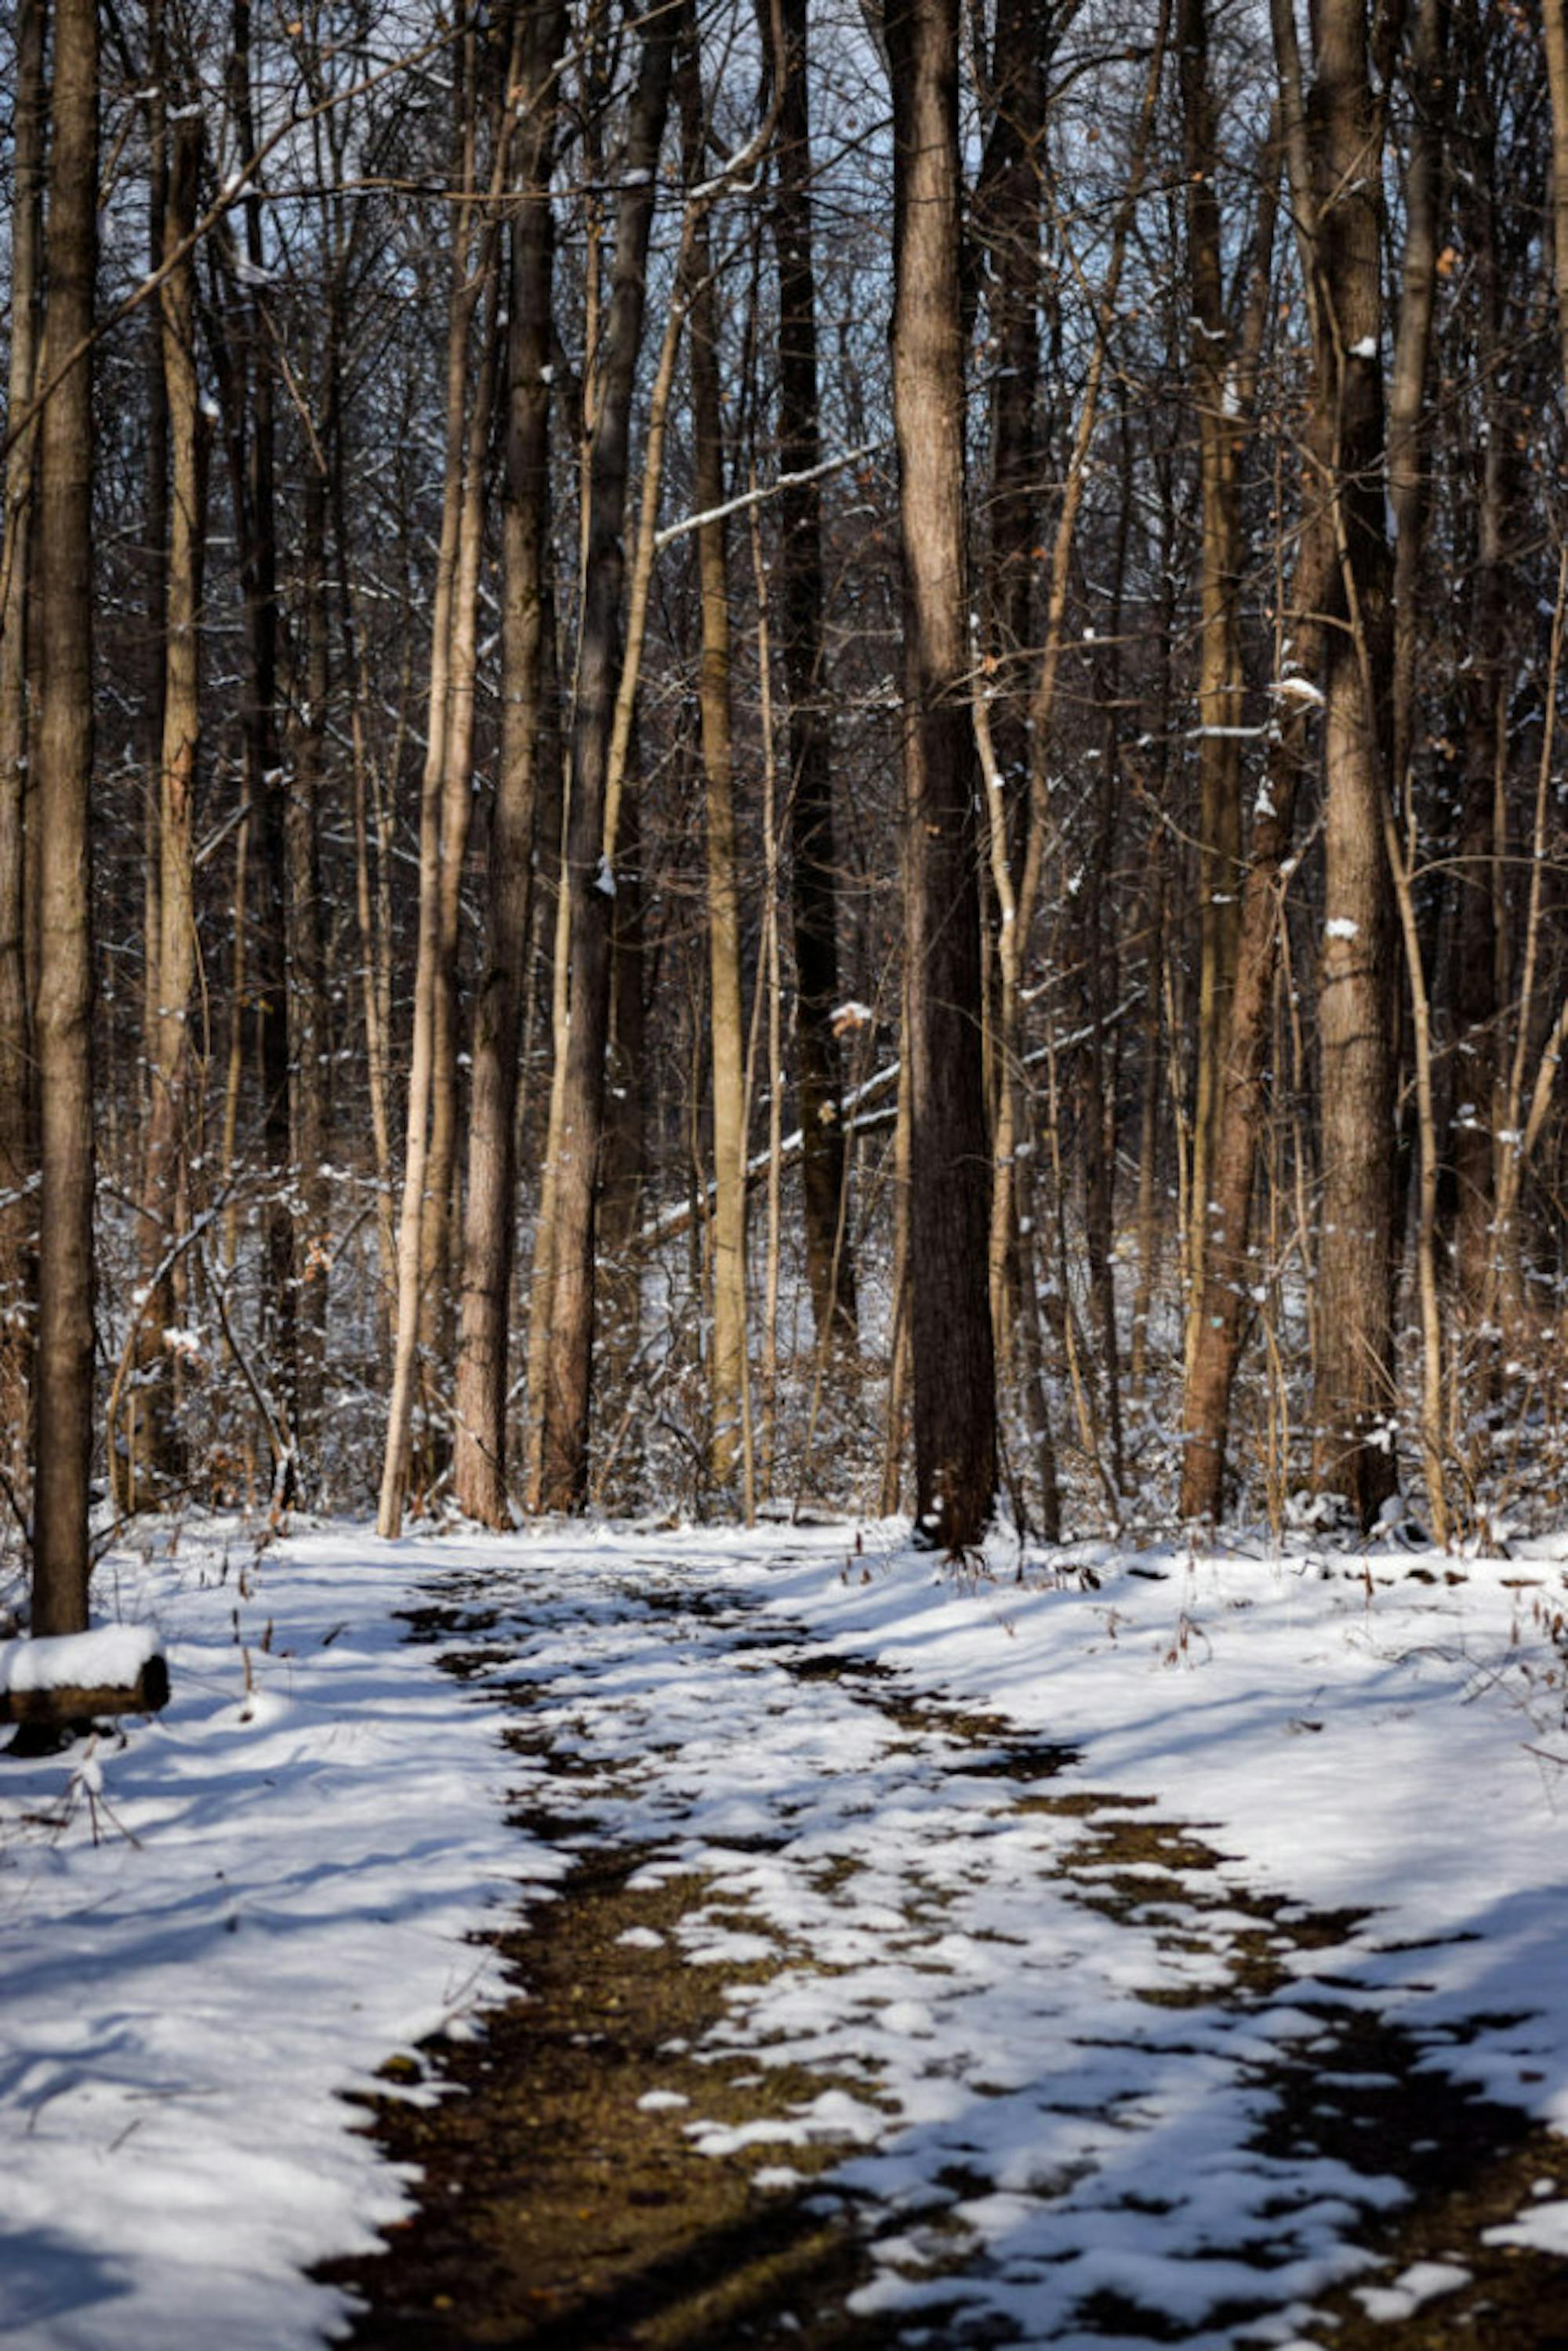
x: 1135, y: 1947
x: 1067, y: 2080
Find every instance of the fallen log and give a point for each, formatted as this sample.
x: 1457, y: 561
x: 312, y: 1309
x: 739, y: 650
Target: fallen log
x: 59, y: 1703
x: 54, y: 1686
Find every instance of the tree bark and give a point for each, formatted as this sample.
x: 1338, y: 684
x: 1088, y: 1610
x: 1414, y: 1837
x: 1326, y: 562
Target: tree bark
x: 19, y: 1102
x: 588, y: 875
x: 1212, y: 373
x: 729, y: 1445
x: 64, y: 1420
x: 446, y: 798
x: 490, y: 1213
x: 153, y: 1454
x: 819, y: 1080
x: 1356, y: 1380
x: 954, y: 1361
x: 252, y: 436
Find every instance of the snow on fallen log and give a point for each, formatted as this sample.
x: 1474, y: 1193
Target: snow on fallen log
x: 116, y: 1669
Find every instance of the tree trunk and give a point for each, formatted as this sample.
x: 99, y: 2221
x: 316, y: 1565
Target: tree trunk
x: 1211, y: 373
x: 152, y: 1452
x: 490, y: 1215
x: 19, y: 1102
x: 252, y: 434
x: 588, y: 875
x: 64, y: 1421
x: 954, y: 1362
x: 306, y: 947
x: 1006, y: 210
x: 801, y: 603
x: 1228, y: 1276
x: 730, y: 1446
x: 1354, y: 1452
x: 444, y: 798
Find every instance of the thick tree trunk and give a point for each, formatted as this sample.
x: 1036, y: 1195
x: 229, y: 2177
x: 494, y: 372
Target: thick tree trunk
x: 954, y: 1361
x: 1006, y: 210
x: 490, y: 1213
x: 18, y: 1099
x: 64, y: 1420
x: 588, y: 877
x: 1355, y: 1384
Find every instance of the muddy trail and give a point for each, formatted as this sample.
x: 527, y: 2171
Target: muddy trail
x: 855, y: 2020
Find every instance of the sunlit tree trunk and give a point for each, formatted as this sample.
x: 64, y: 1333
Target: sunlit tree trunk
x: 729, y: 1445
x: 445, y: 799
x: 64, y: 1428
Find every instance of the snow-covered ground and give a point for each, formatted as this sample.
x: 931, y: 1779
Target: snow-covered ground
x: 210, y: 1931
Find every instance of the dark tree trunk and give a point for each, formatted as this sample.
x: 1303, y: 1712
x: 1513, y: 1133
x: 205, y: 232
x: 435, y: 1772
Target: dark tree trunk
x: 490, y: 1215
x: 1355, y: 1390
x: 1212, y: 374
x: 1474, y: 990
x: 253, y: 434
x: 801, y: 605
x: 18, y: 1095
x: 587, y: 876
x: 312, y: 1039
x: 954, y: 1361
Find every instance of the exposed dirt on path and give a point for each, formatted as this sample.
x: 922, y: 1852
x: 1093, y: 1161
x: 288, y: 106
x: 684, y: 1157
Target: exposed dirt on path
x: 566, y: 2208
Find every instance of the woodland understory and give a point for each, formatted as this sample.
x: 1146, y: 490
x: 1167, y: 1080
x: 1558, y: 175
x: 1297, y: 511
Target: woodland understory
x: 753, y: 754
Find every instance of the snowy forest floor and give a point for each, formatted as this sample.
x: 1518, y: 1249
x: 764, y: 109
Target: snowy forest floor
x: 1093, y: 1949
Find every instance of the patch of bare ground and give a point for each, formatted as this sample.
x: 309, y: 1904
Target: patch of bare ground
x: 560, y: 2212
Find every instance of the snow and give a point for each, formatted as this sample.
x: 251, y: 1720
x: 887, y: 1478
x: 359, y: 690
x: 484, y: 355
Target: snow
x: 1340, y: 927
x: 911, y: 1859
x: 318, y: 1825
x: 1541, y: 2227
x: 109, y: 1658
x: 1422, y: 2281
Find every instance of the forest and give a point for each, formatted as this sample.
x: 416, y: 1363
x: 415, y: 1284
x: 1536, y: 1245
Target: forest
x: 755, y: 755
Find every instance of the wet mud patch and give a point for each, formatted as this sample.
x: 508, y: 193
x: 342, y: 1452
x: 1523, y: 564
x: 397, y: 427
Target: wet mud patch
x: 564, y: 2205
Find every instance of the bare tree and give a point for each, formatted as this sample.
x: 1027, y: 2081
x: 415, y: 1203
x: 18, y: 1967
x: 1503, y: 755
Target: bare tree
x: 64, y: 1417
x: 954, y: 1361
x: 588, y: 876
x: 480, y: 1462
x: 18, y: 1140
x: 814, y: 900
